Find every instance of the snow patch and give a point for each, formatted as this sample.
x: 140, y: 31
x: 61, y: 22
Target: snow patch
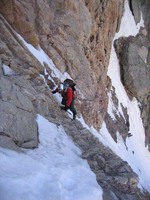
x: 53, y: 171
x: 7, y: 70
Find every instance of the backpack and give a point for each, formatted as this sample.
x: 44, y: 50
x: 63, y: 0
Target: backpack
x: 71, y: 83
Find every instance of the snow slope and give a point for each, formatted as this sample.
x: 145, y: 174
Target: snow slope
x: 53, y: 171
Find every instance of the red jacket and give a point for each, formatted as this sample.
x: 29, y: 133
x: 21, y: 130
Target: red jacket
x: 69, y: 96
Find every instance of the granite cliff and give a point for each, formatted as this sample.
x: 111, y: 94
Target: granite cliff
x: 77, y: 36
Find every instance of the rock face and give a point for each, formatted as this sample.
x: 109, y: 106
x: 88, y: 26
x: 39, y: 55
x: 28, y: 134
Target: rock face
x: 140, y: 47
x: 83, y: 54
x: 17, y: 114
x: 134, y: 57
x: 77, y: 35
x: 135, y: 71
x: 17, y: 119
x: 136, y: 8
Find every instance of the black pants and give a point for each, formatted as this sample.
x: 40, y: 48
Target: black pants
x: 63, y: 102
x: 71, y: 107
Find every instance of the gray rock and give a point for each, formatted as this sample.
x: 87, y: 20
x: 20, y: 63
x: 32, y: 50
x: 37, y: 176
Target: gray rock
x: 135, y: 7
x: 8, y: 143
x: 109, y: 195
x: 17, y: 118
x: 1, y: 72
x: 42, y: 105
x: 135, y: 72
x: 145, y: 7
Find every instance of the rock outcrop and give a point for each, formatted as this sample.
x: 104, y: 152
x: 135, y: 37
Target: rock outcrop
x: 138, y: 7
x: 77, y: 35
x: 134, y: 57
x: 17, y: 118
x: 135, y: 71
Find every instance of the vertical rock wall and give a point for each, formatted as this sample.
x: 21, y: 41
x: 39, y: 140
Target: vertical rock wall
x: 134, y: 57
x: 77, y: 35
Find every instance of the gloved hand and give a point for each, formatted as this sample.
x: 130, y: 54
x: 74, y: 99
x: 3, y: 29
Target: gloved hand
x: 53, y: 92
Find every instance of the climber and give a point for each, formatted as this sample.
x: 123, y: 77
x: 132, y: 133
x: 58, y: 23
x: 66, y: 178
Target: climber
x: 68, y: 97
